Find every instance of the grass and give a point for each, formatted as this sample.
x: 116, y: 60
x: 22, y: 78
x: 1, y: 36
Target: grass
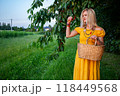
x: 110, y: 67
x: 19, y: 61
x: 7, y: 33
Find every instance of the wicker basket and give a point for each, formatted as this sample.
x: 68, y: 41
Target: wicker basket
x: 90, y: 52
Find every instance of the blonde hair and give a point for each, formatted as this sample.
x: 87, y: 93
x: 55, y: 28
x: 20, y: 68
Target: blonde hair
x: 91, y: 18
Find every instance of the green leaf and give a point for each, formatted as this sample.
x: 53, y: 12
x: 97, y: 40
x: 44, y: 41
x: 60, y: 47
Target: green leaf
x: 31, y: 11
x: 65, y: 6
x: 28, y: 10
x: 29, y: 17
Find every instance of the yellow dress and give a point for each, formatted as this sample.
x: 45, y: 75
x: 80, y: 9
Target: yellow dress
x: 87, y: 69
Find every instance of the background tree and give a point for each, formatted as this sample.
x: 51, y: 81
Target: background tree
x: 0, y: 25
x: 4, y: 26
x: 8, y: 27
x: 106, y: 17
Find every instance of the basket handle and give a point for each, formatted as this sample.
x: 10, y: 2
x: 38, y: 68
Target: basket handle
x: 89, y: 38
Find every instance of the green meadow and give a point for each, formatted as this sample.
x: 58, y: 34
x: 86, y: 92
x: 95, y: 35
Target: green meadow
x: 8, y: 34
x: 20, y: 61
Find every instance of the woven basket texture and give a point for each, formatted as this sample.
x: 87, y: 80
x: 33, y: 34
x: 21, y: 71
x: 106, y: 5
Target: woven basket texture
x: 90, y: 52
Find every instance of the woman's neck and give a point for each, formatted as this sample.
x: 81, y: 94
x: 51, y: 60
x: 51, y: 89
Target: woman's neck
x: 88, y: 27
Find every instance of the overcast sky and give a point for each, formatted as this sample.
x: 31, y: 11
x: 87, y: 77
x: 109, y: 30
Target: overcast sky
x: 17, y: 10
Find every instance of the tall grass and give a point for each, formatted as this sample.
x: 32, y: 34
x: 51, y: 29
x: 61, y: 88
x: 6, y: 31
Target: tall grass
x: 19, y: 61
x: 7, y: 34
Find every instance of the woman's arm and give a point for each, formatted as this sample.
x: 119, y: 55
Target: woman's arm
x: 100, y: 40
x: 68, y: 33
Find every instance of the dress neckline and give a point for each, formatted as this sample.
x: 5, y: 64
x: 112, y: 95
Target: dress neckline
x: 86, y: 29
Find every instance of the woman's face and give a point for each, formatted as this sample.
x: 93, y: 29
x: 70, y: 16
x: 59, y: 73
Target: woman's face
x: 84, y: 16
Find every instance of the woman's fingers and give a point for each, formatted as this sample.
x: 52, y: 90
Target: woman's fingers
x: 93, y: 37
x: 69, y: 19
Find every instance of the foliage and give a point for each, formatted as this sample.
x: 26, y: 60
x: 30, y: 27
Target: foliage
x: 15, y: 28
x: 5, y: 26
x: 43, y: 40
x: 108, y: 19
x: 61, y: 9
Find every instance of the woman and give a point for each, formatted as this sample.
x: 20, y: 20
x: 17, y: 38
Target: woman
x: 86, y: 69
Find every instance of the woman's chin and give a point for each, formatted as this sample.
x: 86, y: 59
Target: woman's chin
x: 84, y: 21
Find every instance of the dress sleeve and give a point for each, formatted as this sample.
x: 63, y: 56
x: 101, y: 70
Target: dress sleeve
x: 101, y: 33
x: 78, y: 30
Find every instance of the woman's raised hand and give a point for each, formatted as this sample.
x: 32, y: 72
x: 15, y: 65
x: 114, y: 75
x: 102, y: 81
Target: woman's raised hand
x: 69, y: 19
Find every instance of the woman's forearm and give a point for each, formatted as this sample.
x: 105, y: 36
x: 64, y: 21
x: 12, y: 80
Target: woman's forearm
x: 100, y: 41
x: 67, y: 32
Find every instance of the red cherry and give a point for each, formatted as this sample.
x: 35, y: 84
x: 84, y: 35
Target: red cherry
x: 72, y: 10
x: 74, y: 18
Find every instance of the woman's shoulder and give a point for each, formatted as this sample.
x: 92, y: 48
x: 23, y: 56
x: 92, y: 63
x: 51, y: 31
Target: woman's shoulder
x: 100, y: 31
x: 78, y: 29
x: 99, y: 28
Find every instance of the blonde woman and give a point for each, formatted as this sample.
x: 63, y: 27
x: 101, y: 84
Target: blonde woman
x: 86, y: 69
